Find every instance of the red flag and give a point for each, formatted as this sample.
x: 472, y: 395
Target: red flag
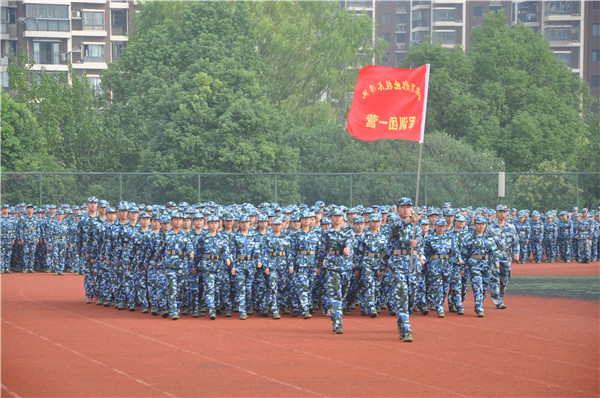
x: 389, y: 103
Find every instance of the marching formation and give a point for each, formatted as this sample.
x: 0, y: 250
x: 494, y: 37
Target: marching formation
x: 210, y: 259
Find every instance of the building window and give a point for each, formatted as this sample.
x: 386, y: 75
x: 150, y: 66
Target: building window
x: 596, y: 81
x: 559, y: 34
x: 386, y: 37
x: 444, y: 37
x: 595, y: 55
x: 528, y: 12
x: 386, y: 57
x: 93, y: 53
x: 46, y: 53
x: 596, y: 29
x: 565, y: 58
x: 478, y: 11
x: 559, y: 7
x: 495, y: 8
x: 95, y: 85
x: 93, y: 20
x: 50, y: 18
x: 386, y: 18
x: 444, y: 15
x: 117, y: 48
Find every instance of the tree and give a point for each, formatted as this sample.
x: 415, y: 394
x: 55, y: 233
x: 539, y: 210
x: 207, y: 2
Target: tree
x: 73, y: 130
x: 311, y: 52
x: 24, y: 146
x: 509, y: 94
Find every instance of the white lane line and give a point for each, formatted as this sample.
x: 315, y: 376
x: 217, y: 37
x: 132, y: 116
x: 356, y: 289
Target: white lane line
x: 233, y: 366
x: 11, y: 392
x: 118, y: 371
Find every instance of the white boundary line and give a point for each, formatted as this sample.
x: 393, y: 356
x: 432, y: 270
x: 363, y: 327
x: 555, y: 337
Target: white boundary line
x: 242, y: 369
x: 95, y: 361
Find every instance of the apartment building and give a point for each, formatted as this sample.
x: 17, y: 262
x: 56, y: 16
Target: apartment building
x: 90, y: 34
x: 571, y: 27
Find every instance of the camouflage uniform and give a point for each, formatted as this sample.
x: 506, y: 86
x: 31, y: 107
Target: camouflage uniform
x: 480, y: 253
x: 246, y: 253
x: 8, y: 235
x: 277, y: 255
x: 397, y: 258
x: 441, y: 252
x: 584, y: 234
x: 330, y: 256
x: 28, y: 233
x: 304, y: 247
x: 550, y: 238
x: 212, y: 251
x: 507, y: 245
x: 370, y: 250
x: 565, y: 234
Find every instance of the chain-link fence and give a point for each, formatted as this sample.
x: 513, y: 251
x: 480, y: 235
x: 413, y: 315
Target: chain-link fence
x: 541, y: 191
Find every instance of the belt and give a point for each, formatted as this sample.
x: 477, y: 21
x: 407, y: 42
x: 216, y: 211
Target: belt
x: 307, y: 252
x: 404, y: 252
x: 245, y: 258
x: 212, y: 256
x: 584, y: 230
x: 537, y: 232
x: 174, y: 253
x: 504, y: 249
x: 277, y: 254
x: 84, y: 243
x: 336, y: 252
x: 59, y: 236
x: 522, y: 232
x: 440, y: 257
x: 480, y: 257
x: 374, y: 255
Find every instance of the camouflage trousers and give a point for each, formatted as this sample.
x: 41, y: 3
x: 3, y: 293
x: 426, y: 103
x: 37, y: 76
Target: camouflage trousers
x: 368, y: 283
x: 260, y: 290
x: 244, y: 278
x: 549, y: 249
x: 499, y: 280
x: 478, y: 283
x: 336, y: 284
x: 523, y: 250
x: 403, y: 287
x: 209, y: 283
x: 28, y: 255
x: 537, y: 251
x: 6, y: 255
x: 56, y: 260
x: 564, y: 250
x: 140, y: 287
x: 585, y: 250
x: 303, y: 282
x: 89, y: 279
x: 454, y: 289
x: 174, y: 279
x: 157, y: 289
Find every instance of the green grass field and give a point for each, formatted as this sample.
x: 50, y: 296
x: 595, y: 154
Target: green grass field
x: 577, y: 287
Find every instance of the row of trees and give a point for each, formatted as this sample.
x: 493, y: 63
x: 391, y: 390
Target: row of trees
x: 263, y: 87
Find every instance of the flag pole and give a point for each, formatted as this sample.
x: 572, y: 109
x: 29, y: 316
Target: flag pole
x: 414, y: 231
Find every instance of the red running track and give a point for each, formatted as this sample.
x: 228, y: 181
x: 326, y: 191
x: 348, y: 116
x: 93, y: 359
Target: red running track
x: 54, y: 345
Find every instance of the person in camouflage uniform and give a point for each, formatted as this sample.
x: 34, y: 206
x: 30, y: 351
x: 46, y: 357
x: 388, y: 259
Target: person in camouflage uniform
x: 550, y: 237
x: 399, y: 257
x: 536, y: 237
x: 441, y: 251
x: 57, y: 243
x: 335, y: 247
x: 28, y: 237
x: 584, y: 233
x: 8, y: 234
x: 480, y: 253
x: 370, y: 250
x: 507, y: 245
x: 523, y: 230
x: 246, y: 257
x: 304, y: 244
x: 212, y: 250
x: 277, y: 255
x: 173, y: 250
